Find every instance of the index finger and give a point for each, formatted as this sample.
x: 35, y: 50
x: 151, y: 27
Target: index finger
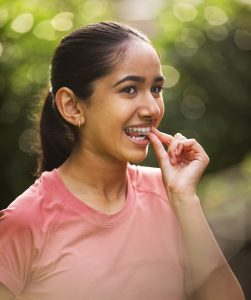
x: 164, y: 137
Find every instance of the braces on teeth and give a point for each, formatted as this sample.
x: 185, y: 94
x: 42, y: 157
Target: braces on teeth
x: 138, y: 130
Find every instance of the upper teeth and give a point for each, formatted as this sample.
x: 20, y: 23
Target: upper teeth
x: 142, y: 130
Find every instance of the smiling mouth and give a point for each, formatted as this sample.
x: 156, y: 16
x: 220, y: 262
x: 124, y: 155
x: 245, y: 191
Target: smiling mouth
x: 137, y: 133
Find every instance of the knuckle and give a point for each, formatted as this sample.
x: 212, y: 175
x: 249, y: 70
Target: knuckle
x: 179, y: 135
x: 206, y: 159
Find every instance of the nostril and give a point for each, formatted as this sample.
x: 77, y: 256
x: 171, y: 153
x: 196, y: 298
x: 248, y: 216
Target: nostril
x: 151, y: 107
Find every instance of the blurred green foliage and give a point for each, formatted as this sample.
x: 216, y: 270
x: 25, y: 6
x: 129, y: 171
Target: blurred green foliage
x: 205, y: 48
x: 29, y: 33
x: 210, y: 47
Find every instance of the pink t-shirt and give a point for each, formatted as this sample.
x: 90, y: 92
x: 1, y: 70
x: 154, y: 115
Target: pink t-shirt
x: 54, y: 246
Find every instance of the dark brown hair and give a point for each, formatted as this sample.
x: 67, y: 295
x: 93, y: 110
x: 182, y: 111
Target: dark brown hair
x: 82, y: 57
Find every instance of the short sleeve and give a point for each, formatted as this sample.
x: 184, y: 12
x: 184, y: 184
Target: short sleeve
x: 16, y: 248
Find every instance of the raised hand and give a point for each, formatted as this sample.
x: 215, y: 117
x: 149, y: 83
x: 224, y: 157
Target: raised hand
x: 182, y: 165
x: 208, y: 275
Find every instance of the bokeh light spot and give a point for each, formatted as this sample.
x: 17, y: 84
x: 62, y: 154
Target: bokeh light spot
x: 22, y: 23
x: 26, y: 141
x: 245, y: 2
x: 215, y: 15
x: 63, y: 21
x: 45, y: 31
x: 192, y: 107
x: 169, y: 22
x: 185, y: 12
x: 192, y: 38
x: 216, y: 33
x: 172, y: 76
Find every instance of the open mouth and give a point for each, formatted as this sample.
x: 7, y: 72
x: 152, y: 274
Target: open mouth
x: 137, y: 133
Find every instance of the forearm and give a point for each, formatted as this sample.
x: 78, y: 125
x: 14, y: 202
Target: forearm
x: 207, y: 273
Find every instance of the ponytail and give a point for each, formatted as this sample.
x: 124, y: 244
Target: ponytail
x: 56, y: 137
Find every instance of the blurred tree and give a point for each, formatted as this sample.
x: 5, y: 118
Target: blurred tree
x: 209, y: 45
x: 205, y: 48
x: 29, y: 33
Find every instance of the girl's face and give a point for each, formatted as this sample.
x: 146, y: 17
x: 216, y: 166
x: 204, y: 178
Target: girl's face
x: 125, y: 105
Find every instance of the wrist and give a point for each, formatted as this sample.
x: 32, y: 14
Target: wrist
x: 185, y: 200
x: 182, y: 194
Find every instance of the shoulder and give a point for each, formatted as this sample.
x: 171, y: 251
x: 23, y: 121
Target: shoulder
x: 24, y: 228
x: 147, y: 179
x: 32, y: 207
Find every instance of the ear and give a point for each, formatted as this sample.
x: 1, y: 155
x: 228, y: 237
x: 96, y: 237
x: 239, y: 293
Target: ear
x: 69, y: 106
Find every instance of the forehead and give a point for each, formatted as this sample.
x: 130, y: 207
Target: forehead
x: 139, y: 58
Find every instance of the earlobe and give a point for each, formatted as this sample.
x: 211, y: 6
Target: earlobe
x: 69, y: 106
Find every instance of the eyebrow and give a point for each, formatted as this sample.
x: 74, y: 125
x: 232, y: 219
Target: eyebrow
x: 138, y: 79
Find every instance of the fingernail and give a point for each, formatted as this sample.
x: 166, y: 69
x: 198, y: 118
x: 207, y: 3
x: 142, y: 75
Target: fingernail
x: 178, y: 147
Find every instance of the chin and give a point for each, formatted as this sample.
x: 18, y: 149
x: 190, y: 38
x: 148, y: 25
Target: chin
x: 136, y: 162
x: 138, y: 157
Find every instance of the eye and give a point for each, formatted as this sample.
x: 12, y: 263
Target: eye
x: 129, y: 90
x: 156, y: 89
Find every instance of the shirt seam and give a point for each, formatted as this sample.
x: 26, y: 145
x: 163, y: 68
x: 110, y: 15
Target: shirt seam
x: 49, y: 233
x: 153, y: 193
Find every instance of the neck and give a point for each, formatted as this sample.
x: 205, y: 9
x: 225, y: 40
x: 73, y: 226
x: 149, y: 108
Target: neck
x: 92, y: 177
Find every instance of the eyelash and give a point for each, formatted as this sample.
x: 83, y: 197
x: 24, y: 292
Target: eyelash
x: 128, y: 90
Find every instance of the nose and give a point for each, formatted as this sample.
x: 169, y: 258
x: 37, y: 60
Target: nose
x: 151, y: 107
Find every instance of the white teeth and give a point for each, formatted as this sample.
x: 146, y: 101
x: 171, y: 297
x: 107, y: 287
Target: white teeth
x: 140, y: 130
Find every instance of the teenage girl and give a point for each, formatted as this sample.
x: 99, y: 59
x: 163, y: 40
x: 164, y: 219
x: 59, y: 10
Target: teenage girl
x: 94, y: 226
